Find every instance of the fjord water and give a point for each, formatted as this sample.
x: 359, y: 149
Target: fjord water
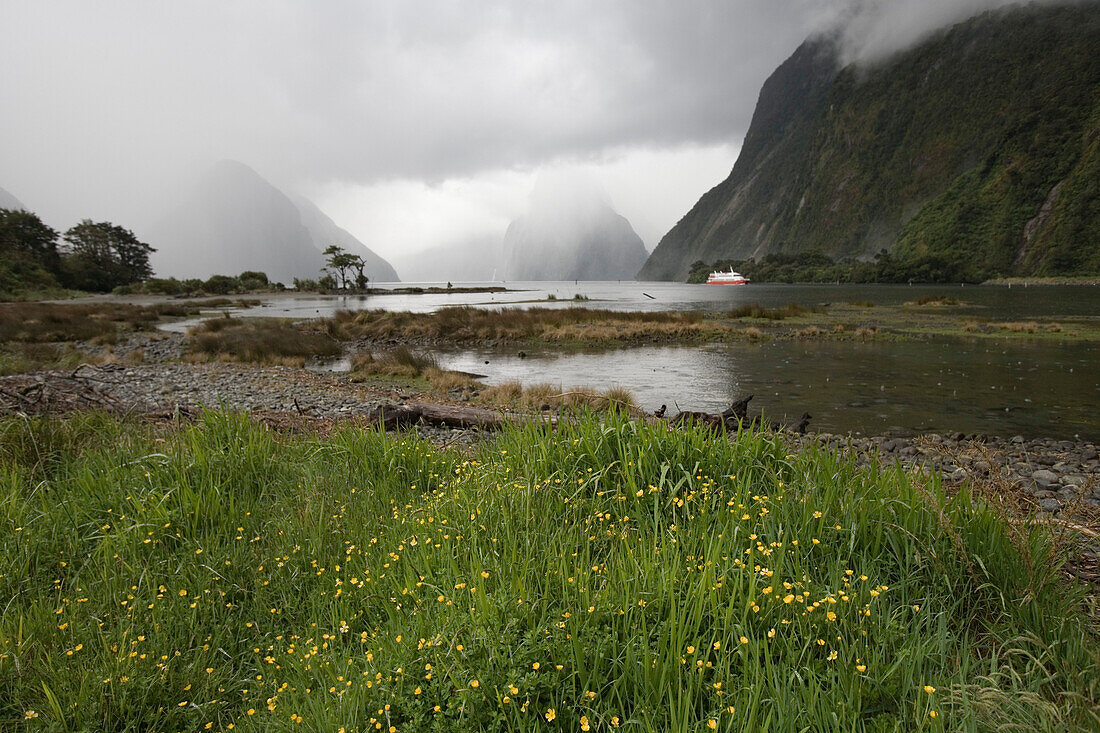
x: 874, y: 387
x: 972, y: 385
x: 1000, y: 301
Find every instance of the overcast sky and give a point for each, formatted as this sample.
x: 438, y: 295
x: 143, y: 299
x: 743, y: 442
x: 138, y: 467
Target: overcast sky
x: 412, y: 123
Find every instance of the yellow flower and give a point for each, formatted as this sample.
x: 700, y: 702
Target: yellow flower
x: 929, y: 689
x: 535, y: 666
x: 931, y: 713
x: 712, y: 723
x: 473, y: 683
x: 30, y: 714
x: 584, y: 723
x: 788, y: 598
x: 614, y: 721
x: 550, y: 714
x: 744, y: 640
x: 513, y: 689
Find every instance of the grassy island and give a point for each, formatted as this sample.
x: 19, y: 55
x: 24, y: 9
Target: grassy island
x: 604, y: 576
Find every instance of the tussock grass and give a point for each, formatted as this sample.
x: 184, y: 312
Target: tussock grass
x: 404, y: 362
x: 809, y: 332
x: 20, y: 358
x: 468, y: 325
x: 934, y: 301
x: 865, y: 332
x: 258, y: 340
x: 397, y: 362
x: 48, y: 322
x: 605, y: 573
x: 1018, y: 326
x: 515, y: 394
x: 755, y: 310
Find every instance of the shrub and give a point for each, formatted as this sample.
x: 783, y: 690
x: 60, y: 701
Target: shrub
x: 221, y: 285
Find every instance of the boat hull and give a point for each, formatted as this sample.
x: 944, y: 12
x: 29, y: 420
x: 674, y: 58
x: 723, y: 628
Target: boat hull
x: 727, y: 282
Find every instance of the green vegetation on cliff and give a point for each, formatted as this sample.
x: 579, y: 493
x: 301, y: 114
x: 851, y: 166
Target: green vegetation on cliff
x: 976, y: 153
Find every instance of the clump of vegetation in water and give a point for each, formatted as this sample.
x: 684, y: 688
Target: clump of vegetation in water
x: 602, y: 575
x: 258, y: 340
x: 475, y: 325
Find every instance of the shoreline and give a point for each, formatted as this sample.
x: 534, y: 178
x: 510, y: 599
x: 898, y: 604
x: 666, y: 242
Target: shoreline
x: 1039, y: 474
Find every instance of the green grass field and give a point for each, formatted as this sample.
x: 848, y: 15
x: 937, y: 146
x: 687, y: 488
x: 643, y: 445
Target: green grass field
x: 222, y: 576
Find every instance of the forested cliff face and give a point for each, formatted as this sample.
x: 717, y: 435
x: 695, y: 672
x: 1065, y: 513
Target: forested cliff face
x: 976, y: 153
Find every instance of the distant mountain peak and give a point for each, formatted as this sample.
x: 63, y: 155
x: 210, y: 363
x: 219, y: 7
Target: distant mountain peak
x: 571, y: 234
x: 234, y: 220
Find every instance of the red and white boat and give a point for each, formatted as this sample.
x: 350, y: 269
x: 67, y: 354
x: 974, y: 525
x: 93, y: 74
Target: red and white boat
x: 726, y: 278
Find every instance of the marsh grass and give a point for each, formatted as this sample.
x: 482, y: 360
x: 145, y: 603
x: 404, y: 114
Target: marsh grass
x: 50, y: 322
x: 516, y: 394
x: 469, y: 325
x: 755, y: 310
x: 20, y: 358
x: 618, y: 574
x: 258, y: 340
x: 934, y: 301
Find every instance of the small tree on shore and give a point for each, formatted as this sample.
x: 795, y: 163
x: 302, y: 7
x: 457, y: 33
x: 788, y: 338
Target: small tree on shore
x: 343, y: 264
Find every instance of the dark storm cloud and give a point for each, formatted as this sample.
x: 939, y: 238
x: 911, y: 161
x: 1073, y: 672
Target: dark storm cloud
x: 105, y: 101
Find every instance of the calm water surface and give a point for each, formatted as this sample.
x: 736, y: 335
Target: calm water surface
x: 1000, y: 302
x: 967, y: 385
x: 972, y: 386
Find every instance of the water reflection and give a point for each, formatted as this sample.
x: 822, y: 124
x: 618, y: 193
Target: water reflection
x: 949, y: 385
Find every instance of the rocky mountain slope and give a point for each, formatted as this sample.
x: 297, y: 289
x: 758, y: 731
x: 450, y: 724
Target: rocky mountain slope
x: 233, y: 220
x: 976, y: 153
x: 325, y: 232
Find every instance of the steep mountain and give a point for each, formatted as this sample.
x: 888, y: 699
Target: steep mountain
x: 7, y: 201
x: 233, y: 220
x: 325, y: 232
x: 570, y: 232
x: 973, y: 154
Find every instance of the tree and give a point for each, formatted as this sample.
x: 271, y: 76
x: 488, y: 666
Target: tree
x: 342, y: 263
x: 28, y: 252
x: 23, y: 232
x: 101, y: 256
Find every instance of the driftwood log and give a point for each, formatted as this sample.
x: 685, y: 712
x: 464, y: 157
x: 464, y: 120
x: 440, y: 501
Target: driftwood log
x: 396, y: 417
x: 401, y: 416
